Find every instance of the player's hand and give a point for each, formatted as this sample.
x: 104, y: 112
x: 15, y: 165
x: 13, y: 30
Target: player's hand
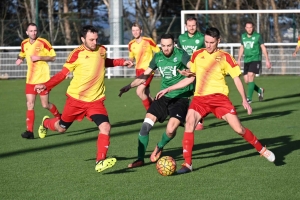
x: 161, y: 93
x: 268, y: 64
x: 247, y: 107
x: 39, y: 88
x: 294, y: 54
x: 186, y: 73
x: 19, y: 61
x: 35, y: 58
x: 128, y: 63
x: 124, y: 89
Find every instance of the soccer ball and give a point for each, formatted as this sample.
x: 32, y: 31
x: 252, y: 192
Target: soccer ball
x: 166, y: 166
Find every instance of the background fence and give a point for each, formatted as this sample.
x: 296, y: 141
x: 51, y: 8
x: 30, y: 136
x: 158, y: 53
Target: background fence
x: 280, y: 55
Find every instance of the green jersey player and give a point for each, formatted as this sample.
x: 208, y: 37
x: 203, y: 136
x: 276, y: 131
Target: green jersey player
x: 169, y: 62
x: 252, y: 46
x: 191, y: 40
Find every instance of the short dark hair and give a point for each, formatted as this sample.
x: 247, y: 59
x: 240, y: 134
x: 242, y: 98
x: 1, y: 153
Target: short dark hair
x: 167, y: 36
x: 190, y: 18
x: 31, y: 24
x: 249, y: 22
x: 213, y: 32
x: 136, y: 24
x: 86, y: 29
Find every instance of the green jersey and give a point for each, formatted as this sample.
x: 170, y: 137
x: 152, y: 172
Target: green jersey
x: 252, y: 49
x: 191, y: 44
x: 167, y: 66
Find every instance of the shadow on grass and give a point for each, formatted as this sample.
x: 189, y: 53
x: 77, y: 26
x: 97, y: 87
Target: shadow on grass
x: 280, y: 146
x: 283, y: 97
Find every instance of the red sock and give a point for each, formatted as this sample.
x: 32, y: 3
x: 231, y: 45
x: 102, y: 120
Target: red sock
x: 30, y: 120
x: 54, y: 111
x: 102, y: 146
x: 251, y: 138
x: 50, y: 123
x: 147, y: 102
x: 187, y: 145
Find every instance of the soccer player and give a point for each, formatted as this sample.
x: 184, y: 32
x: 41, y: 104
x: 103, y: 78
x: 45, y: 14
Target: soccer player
x: 37, y: 51
x: 191, y: 41
x: 174, y: 104
x: 85, y: 94
x: 252, y: 46
x: 297, y: 47
x: 209, y: 67
x: 141, y: 49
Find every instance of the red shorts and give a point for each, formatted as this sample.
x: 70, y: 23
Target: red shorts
x: 77, y: 110
x: 139, y: 72
x: 218, y: 104
x: 29, y: 89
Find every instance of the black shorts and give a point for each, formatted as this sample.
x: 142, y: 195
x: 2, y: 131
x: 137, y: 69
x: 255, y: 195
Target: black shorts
x: 173, y: 107
x: 254, y: 67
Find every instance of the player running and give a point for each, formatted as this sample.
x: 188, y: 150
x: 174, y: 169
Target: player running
x: 85, y: 94
x: 174, y: 104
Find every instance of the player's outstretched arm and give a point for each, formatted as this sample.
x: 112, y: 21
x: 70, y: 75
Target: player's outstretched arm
x: 136, y: 82
x: 117, y: 62
x: 239, y: 85
x: 186, y: 72
x: 180, y: 84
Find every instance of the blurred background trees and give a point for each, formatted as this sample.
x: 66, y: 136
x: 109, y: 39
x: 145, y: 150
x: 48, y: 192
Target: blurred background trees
x: 60, y: 20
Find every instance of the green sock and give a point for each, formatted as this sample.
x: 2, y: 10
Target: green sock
x: 164, y: 140
x: 250, y: 90
x: 256, y: 88
x: 143, y: 143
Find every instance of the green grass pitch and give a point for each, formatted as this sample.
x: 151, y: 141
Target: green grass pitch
x: 61, y: 166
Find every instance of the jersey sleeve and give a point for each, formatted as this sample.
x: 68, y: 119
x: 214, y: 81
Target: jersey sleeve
x: 178, y: 43
x: 154, y: 46
x: 232, y: 68
x: 260, y: 40
x: 152, y: 63
x: 131, y: 54
x: 298, y: 41
x: 72, y: 60
x: 22, y: 53
x: 185, y: 58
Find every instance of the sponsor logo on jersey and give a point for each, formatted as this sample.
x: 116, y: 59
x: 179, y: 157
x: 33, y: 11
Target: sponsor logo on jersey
x: 248, y: 44
x: 183, y: 40
x: 168, y: 72
x: 218, y: 58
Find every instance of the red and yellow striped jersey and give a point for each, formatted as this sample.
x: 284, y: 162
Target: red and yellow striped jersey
x: 211, y: 69
x: 142, y: 52
x: 37, y: 72
x: 88, y: 69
